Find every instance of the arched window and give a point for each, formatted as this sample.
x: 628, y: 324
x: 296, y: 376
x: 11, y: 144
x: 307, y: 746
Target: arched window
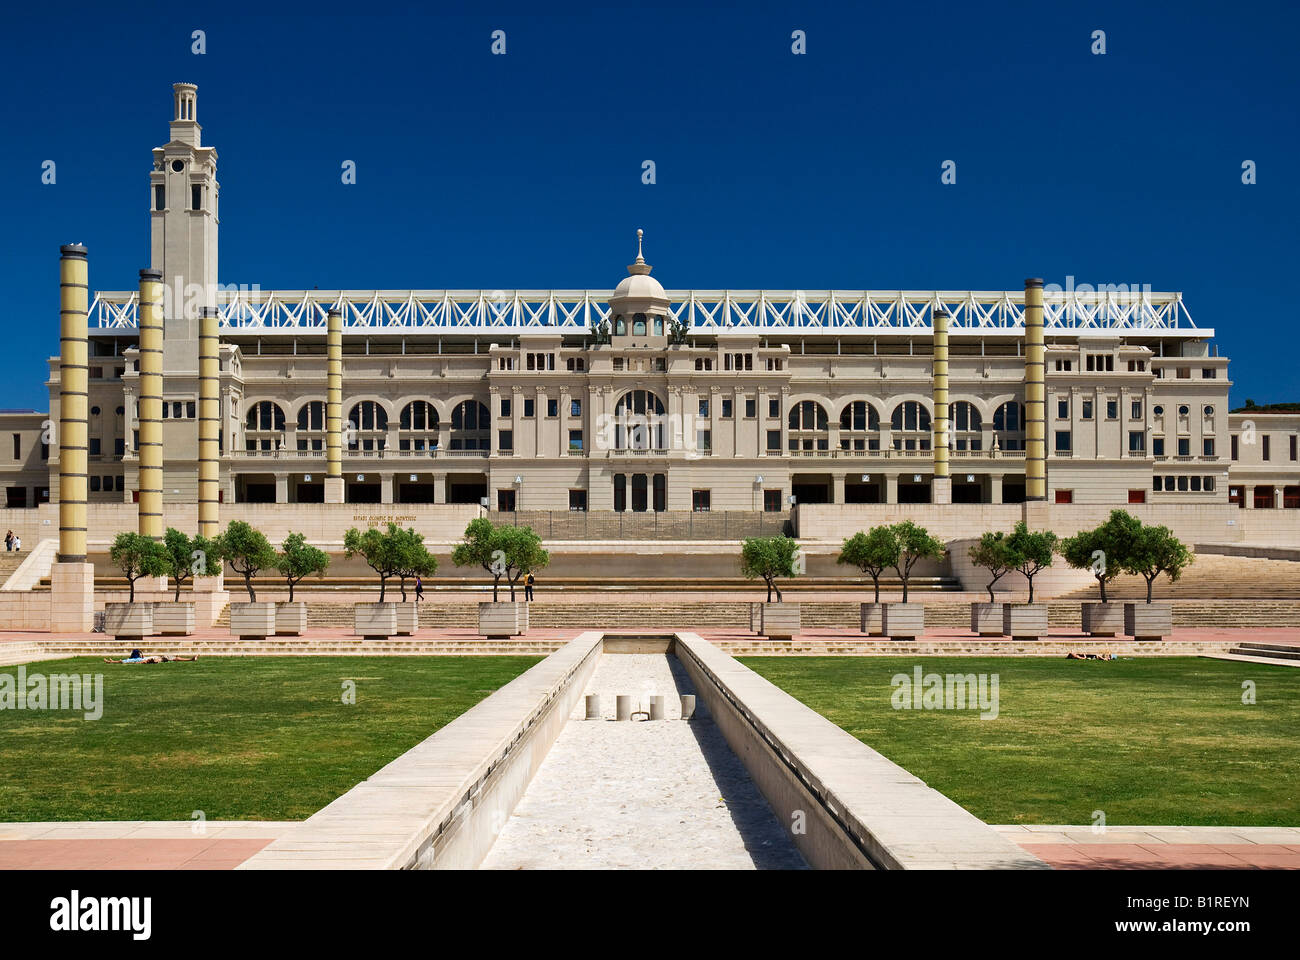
x: 620, y: 325
x: 808, y: 427
x: 366, y: 425
x: 858, y: 421
x: 470, y: 426
x: 965, y: 426
x: 639, y: 421
x: 910, y: 424
x: 1009, y: 426
x: 263, y: 426
x: 638, y: 325
x: 311, y: 426
x: 418, y: 426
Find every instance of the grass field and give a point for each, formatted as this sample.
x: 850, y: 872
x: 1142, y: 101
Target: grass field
x: 1147, y: 741
x: 255, y: 738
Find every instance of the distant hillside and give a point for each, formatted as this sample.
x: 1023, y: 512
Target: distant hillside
x: 1253, y: 407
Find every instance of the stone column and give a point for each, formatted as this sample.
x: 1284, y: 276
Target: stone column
x: 150, y: 450
x: 941, y: 484
x: 891, y: 488
x: 995, y: 488
x: 72, y: 579
x: 281, y: 488
x: 385, y: 488
x: 209, y: 423
x: 1035, y: 394
x: 837, y: 488
x: 334, y: 406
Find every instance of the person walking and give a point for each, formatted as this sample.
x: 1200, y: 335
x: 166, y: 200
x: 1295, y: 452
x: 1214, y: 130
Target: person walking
x: 9, y: 540
x: 528, y: 588
x: 18, y: 543
x: 419, y: 589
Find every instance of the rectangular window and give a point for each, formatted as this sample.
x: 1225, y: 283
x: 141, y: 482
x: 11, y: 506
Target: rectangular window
x: 1184, y: 446
x: 1234, y: 446
x: 94, y: 484
x: 618, y: 363
x: 1207, y: 446
x: 1208, y: 373
x: 726, y: 408
x: 1157, y: 483
x: 1182, y: 484
x: 189, y: 410
x: 529, y: 405
x: 578, y: 500
x: 506, y: 501
x: 1063, y: 409
x: 505, y: 406
x: 751, y: 408
x: 771, y: 501
x: 505, y: 440
x: 1112, y: 409
x: 1065, y: 496
x: 18, y: 446
x: 1086, y: 414
x: 704, y: 440
x: 700, y: 500
x: 1157, y: 446
x: 575, y: 440
x: 119, y: 446
x: 774, y: 408
x: 1184, y: 373
x: 552, y: 408
x: 45, y: 447
x: 1135, y: 410
x: 1208, y: 484
x: 1265, y: 450
x: 94, y: 446
x: 159, y: 197
x: 1196, y: 484
x: 1137, y: 496
x: 774, y: 441
x: 620, y: 492
x: 1137, y: 441
x: 196, y: 197
x: 1063, y: 441
x: 1292, y: 439
x: 575, y: 408
x: 704, y: 408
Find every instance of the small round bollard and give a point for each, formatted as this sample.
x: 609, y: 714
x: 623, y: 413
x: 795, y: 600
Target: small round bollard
x: 623, y: 707
x: 688, y: 706
x: 656, y: 708
x: 593, y: 706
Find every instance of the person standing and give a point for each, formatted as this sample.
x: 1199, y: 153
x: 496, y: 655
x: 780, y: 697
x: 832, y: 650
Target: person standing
x: 18, y: 543
x: 528, y: 588
x: 9, y: 540
x: 419, y: 589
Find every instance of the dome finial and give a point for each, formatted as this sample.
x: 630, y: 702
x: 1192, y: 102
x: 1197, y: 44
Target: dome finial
x: 640, y: 268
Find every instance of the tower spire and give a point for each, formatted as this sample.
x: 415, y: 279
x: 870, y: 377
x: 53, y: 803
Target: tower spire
x: 640, y: 268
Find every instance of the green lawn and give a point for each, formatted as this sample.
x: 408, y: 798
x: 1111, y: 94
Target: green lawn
x: 1147, y: 741
x: 255, y: 738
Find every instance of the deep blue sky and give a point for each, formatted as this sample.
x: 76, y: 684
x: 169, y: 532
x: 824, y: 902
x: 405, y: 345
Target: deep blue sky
x: 774, y: 170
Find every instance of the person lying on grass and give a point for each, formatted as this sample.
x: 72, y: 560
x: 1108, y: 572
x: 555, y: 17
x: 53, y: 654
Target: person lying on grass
x: 1104, y: 655
x: 156, y: 658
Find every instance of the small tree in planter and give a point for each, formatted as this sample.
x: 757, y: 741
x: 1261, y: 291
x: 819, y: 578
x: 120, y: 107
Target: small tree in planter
x: 138, y: 556
x: 871, y: 552
x: 769, y: 558
x: 247, y: 551
x: 188, y: 557
x: 298, y: 560
x: 481, y: 547
x: 379, y: 549
x: 1033, y: 551
x: 1155, y: 550
x: 1103, y: 550
x: 994, y: 553
x: 413, y: 558
x: 521, y: 553
x: 914, y: 544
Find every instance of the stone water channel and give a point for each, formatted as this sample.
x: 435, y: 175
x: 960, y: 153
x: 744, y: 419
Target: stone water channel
x: 663, y: 794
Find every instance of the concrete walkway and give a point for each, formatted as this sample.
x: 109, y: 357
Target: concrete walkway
x: 1160, y: 848
x: 642, y: 795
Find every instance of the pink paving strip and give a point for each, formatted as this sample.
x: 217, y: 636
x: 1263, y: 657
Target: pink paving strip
x: 125, y: 854
x: 1136, y: 856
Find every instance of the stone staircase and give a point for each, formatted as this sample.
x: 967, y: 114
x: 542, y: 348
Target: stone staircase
x: 1211, y: 576
x: 9, y: 562
x: 1284, y: 654
x: 26, y: 651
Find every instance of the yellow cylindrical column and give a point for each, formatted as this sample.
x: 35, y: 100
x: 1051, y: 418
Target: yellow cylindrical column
x: 209, y: 422
x: 150, y: 447
x: 1035, y: 394
x: 73, y: 399
x: 940, y: 376
x: 334, y: 406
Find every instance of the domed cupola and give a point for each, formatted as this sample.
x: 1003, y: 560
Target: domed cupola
x: 638, y: 306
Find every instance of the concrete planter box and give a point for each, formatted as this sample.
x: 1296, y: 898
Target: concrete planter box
x: 173, y: 619
x: 408, y: 619
x: 1148, y: 621
x: 1103, y: 619
x: 290, y: 619
x: 498, y: 621
x: 986, y: 619
x: 128, y: 621
x: 903, y: 621
x: 252, y: 621
x: 871, y: 619
x: 781, y: 621
x: 756, y: 618
x: 374, y: 621
x: 1024, y: 621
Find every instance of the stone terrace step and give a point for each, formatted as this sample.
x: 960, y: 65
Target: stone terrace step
x: 1212, y: 576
